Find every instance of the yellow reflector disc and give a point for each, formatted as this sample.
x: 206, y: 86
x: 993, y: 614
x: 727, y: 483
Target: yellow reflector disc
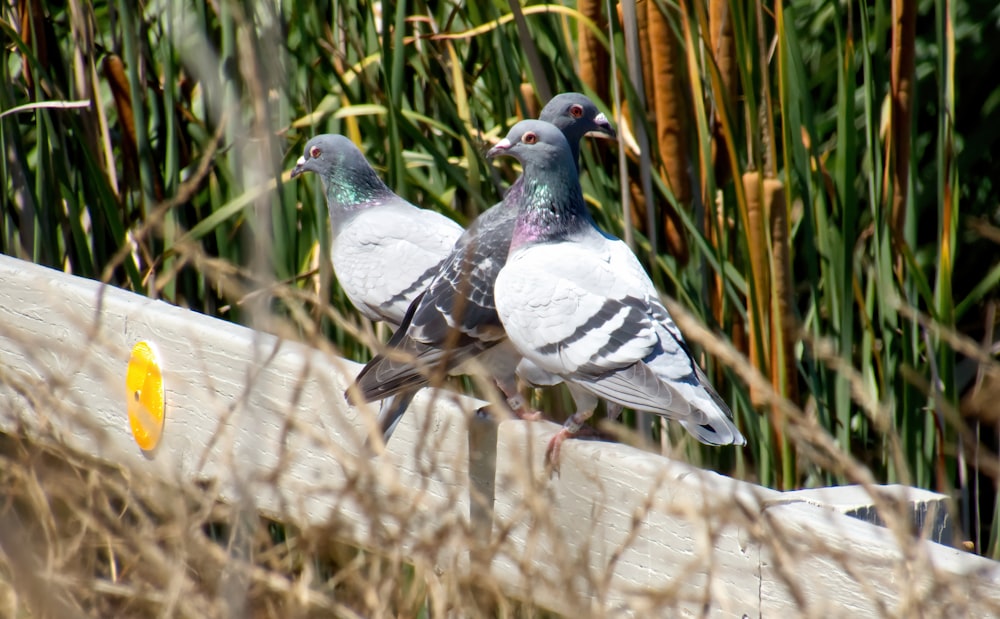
x: 144, y: 391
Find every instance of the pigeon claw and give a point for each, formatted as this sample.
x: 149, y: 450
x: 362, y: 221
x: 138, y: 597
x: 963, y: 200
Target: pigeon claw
x: 500, y: 413
x: 528, y: 415
x: 520, y: 408
x: 554, y: 449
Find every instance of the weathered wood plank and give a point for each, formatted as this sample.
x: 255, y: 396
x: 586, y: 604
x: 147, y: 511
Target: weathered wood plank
x: 264, y: 419
x: 928, y: 511
x: 620, y: 532
x: 662, y: 537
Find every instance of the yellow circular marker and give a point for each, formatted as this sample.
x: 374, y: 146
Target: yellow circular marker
x: 144, y: 391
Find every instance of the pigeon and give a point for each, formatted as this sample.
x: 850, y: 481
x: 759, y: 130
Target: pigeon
x: 385, y: 250
x: 576, y: 303
x: 455, y: 321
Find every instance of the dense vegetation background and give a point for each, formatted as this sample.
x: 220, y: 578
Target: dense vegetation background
x: 814, y: 180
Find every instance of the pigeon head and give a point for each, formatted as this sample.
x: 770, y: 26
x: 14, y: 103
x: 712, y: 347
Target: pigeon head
x: 325, y: 153
x: 576, y: 115
x: 547, y: 197
x: 538, y: 145
x: 348, y: 178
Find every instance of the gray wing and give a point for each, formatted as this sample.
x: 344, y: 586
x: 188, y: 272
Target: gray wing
x: 461, y: 296
x: 669, y: 382
x: 599, y: 324
x: 454, y: 320
x: 385, y: 256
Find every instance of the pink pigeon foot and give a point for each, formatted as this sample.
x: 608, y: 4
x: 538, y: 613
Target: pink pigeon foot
x: 553, y: 450
x: 520, y: 407
x: 570, y: 429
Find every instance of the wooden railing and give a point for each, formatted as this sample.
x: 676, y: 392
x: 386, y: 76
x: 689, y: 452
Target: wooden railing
x: 263, y: 422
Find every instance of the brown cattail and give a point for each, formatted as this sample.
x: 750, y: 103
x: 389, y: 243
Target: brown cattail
x: 34, y: 33
x: 594, y: 59
x: 532, y: 108
x: 652, y: 29
x: 758, y: 306
x: 723, y: 49
x: 783, y: 319
x: 904, y: 13
x: 666, y: 90
x: 114, y: 72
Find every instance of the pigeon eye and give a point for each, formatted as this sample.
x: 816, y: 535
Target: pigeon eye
x: 529, y: 138
x: 576, y: 111
x: 315, y: 152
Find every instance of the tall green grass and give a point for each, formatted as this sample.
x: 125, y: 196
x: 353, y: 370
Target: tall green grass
x: 194, y: 204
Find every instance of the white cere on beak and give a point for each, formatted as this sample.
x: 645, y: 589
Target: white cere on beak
x: 301, y: 160
x: 504, y: 143
x: 600, y: 118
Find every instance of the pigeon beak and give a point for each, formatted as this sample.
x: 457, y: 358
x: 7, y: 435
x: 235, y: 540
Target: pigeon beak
x: 501, y: 147
x: 300, y: 167
x: 604, y: 127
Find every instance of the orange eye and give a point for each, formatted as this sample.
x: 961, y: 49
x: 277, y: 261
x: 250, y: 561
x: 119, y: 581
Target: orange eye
x: 529, y: 137
x: 315, y: 152
x: 576, y: 111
